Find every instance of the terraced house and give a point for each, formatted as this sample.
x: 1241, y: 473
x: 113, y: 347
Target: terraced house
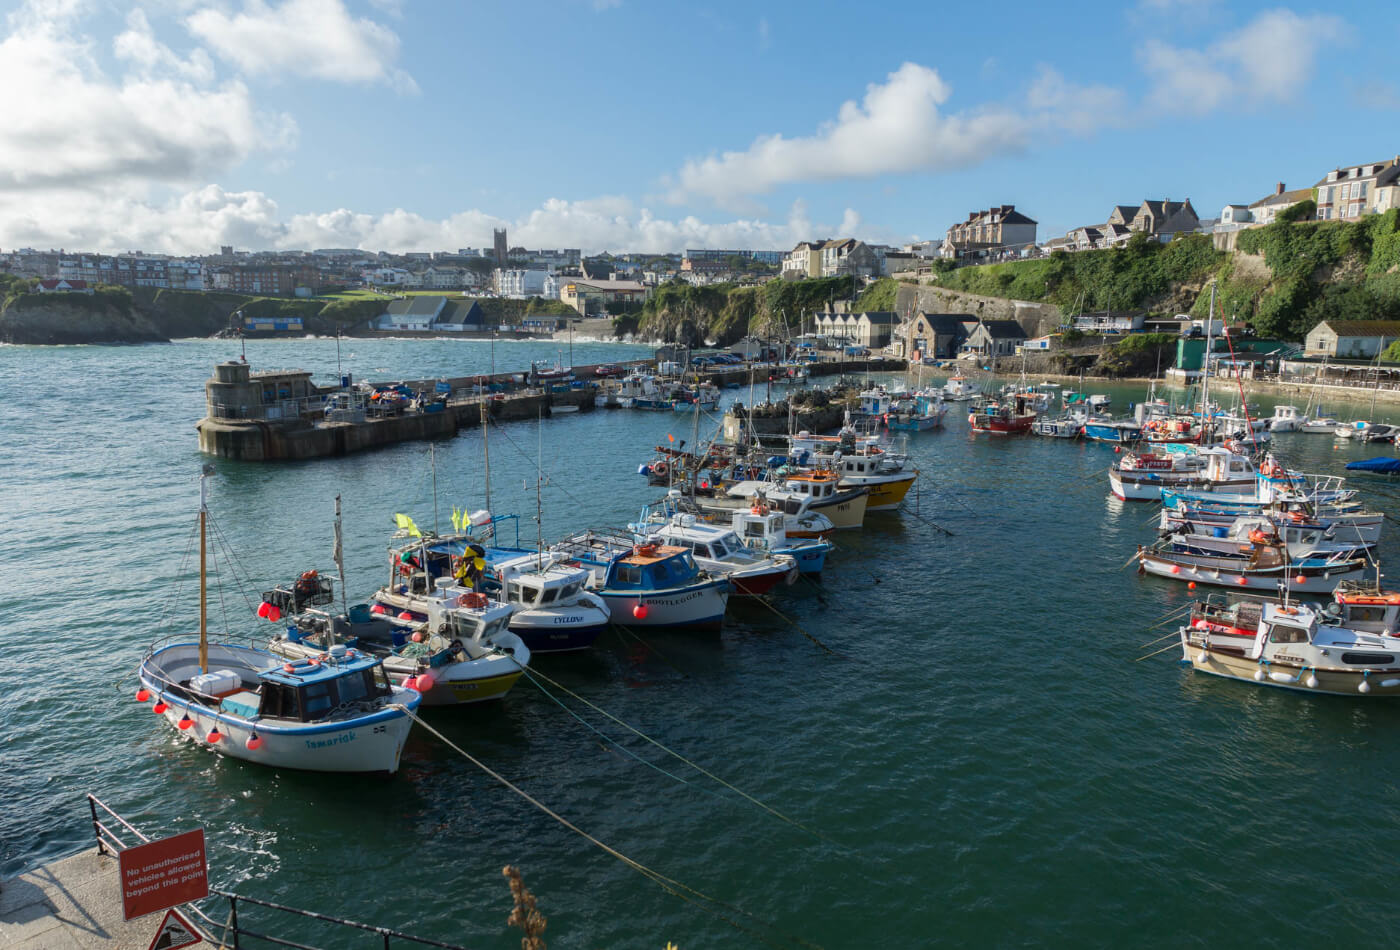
x: 996, y: 232
x: 1348, y: 193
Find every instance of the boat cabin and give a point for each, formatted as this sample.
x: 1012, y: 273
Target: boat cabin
x: 529, y: 582
x: 763, y: 531
x: 875, y: 402
x: 303, y: 691
x: 1222, y: 465
x: 815, y: 485
x: 652, y: 567
x: 1367, y: 610
x: 702, y: 540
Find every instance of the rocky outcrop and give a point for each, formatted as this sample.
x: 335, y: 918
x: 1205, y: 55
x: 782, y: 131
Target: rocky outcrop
x: 1037, y: 319
x: 65, y: 319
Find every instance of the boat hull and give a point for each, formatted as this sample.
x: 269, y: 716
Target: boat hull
x: 845, y: 510
x: 368, y: 743
x: 1294, y: 676
x: 559, y: 633
x: 883, y: 493
x: 996, y: 425
x: 1320, y: 581
x: 1147, y: 485
x: 698, y: 608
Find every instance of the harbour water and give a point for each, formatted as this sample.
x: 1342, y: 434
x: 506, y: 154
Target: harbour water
x: 971, y: 751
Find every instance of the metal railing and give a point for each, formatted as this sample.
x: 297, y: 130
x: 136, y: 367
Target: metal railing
x: 232, y: 933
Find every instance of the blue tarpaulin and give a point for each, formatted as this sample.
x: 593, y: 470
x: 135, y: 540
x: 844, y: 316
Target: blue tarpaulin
x: 1384, y: 465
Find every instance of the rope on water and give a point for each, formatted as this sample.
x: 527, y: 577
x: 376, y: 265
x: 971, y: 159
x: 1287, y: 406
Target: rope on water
x: 648, y: 645
x: 690, y: 895
x: 534, y: 676
x: 799, y: 627
x: 1169, y: 646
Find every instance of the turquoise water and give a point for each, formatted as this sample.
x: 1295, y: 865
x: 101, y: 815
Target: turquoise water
x: 976, y: 755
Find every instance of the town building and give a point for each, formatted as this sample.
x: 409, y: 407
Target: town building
x: 1266, y: 209
x: 266, y: 279
x: 936, y: 335
x: 1109, y: 322
x: 596, y: 296
x: 772, y: 258
x: 419, y: 312
x: 1000, y: 231
x: 804, y: 260
x: 871, y: 329
x: 1346, y: 194
x: 995, y: 338
x: 1351, y: 339
x: 56, y: 285
x: 518, y: 282
x: 847, y: 256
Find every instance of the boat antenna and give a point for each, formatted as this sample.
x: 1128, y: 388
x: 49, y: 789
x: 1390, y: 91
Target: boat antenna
x: 204, y: 474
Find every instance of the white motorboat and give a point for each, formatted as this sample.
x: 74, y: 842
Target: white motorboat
x: 1347, y: 647
x: 1319, y: 425
x: 648, y: 585
x: 1286, y: 419
x: 960, y: 389
x: 717, y: 550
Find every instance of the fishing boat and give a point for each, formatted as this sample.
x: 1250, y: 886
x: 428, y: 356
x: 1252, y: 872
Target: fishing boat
x: 1064, y: 427
x: 998, y: 419
x: 1286, y: 419
x: 1319, y: 425
x: 648, y: 585
x: 1303, y: 539
x: 1266, y: 566
x: 960, y: 389
x: 873, y: 404
x: 717, y: 550
x: 1105, y: 429
x: 551, y: 610
x: 1384, y: 465
x: 338, y: 714
x: 1347, y: 647
x: 917, y: 412
x: 460, y: 652
x: 1346, y: 523
x: 1143, y: 476
x: 845, y: 507
x: 764, y: 531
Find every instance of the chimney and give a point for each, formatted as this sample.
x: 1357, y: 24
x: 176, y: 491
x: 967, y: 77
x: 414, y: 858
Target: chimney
x: 1278, y: 190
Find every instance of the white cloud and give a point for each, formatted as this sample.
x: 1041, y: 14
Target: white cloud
x: 1270, y: 59
x: 69, y: 125
x: 316, y: 38
x: 201, y: 220
x: 897, y: 127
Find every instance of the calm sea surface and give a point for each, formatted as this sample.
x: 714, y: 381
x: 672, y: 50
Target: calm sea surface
x: 976, y: 758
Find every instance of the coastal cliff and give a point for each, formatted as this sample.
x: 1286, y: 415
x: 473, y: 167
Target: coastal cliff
x: 106, y: 317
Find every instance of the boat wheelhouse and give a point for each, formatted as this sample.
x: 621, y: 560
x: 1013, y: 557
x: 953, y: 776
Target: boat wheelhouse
x: 648, y: 585
x: 717, y: 550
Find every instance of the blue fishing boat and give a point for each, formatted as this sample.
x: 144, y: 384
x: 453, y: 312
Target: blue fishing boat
x: 1100, y: 429
x: 1384, y: 465
x: 648, y: 585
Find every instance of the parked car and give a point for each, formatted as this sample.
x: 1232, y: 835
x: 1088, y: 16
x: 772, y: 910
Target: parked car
x: 608, y: 369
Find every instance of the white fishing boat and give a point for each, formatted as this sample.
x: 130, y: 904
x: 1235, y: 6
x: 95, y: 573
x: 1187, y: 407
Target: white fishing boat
x: 763, y: 531
x: 462, y: 652
x: 1266, y: 566
x: 716, y: 549
x: 1286, y: 419
x: 339, y: 713
x: 1319, y: 425
x: 1347, y: 647
x: 1302, y: 539
x: 1068, y: 426
x: 960, y: 389
x: 1142, y: 476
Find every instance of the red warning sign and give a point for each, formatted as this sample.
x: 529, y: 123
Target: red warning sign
x: 163, y: 873
x: 175, y: 932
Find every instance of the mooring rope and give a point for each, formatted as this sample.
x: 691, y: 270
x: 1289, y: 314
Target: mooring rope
x: 532, y: 676
x: 676, y: 888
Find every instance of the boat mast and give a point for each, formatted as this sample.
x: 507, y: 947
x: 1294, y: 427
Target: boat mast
x: 1205, y: 368
x: 203, y: 568
x: 486, y: 443
x: 539, y: 488
x: 338, y: 554
x: 432, y: 463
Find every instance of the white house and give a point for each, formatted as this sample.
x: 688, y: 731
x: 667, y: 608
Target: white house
x: 520, y: 282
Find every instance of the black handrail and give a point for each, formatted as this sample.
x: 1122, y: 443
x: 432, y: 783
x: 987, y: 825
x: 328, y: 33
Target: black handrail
x: 109, y: 843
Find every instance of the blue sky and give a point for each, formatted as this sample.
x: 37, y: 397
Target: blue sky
x: 180, y: 125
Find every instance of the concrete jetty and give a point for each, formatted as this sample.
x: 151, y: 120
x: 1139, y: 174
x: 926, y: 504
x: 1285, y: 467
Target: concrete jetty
x: 73, y: 903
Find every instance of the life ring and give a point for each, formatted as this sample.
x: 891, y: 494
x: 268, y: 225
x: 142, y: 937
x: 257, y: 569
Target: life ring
x: 475, y: 599
x: 645, y: 550
x: 659, y: 468
x: 1297, y: 516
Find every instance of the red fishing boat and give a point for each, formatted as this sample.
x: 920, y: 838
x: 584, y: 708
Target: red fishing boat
x: 1012, y: 418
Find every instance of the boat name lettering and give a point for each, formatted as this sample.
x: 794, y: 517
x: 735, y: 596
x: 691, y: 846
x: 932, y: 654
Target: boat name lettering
x: 568, y: 620
x: 338, y: 740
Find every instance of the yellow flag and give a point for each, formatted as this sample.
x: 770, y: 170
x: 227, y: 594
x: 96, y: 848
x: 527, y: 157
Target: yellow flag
x: 456, y: 519
x: 405, y: 523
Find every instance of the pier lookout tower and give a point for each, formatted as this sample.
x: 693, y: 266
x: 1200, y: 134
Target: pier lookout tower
x: 235, y: 392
